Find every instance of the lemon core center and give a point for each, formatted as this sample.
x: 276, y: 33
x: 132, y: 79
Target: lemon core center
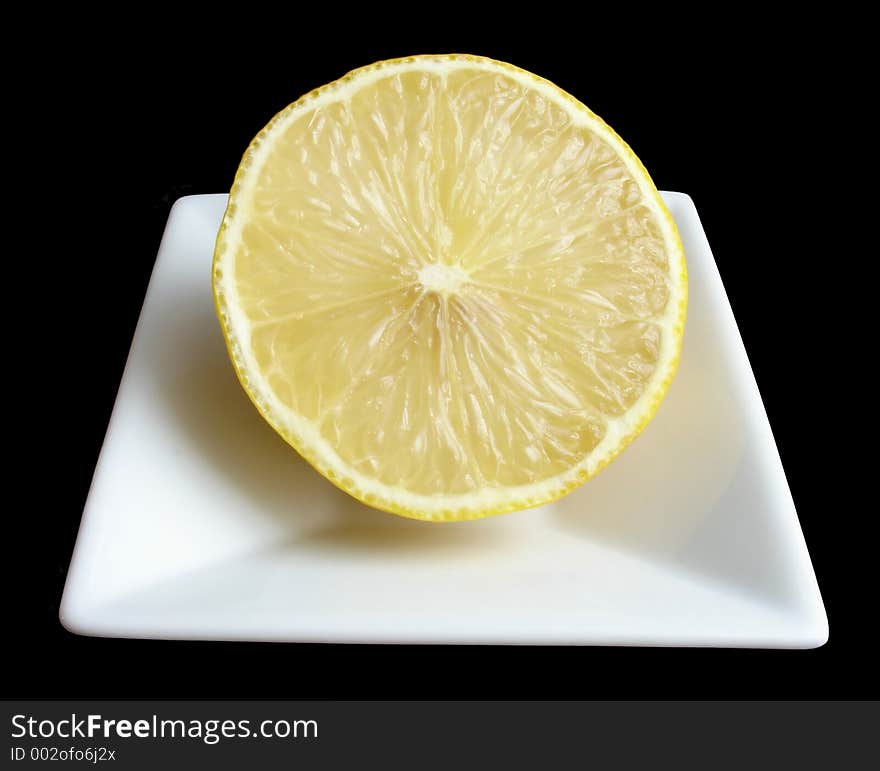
x: 442, y: 279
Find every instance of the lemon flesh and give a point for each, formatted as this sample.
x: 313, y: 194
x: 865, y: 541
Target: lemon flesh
x: 450, y: 286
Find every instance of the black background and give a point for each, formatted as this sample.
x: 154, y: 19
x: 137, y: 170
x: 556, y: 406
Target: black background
x: 124, y: 129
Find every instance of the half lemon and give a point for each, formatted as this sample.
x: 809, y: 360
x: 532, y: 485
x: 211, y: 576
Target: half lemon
x: 450, y: 286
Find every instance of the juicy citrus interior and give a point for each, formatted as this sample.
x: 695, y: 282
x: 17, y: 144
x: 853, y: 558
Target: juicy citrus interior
x: 450, y: 286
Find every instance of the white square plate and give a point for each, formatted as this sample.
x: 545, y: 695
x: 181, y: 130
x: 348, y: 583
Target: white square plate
x: 202, y: 523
